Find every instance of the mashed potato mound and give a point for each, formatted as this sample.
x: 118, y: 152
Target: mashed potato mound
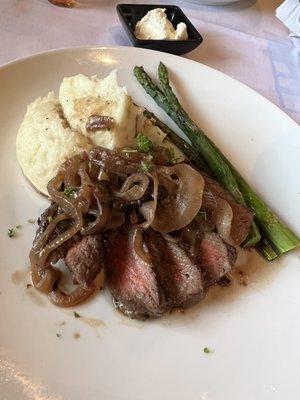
x: 45, y: 141
x: 81, y: 96
x: 54, y: 130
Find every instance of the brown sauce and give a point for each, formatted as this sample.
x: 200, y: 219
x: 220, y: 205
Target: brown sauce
x: 132, y: 323
x: 35, y: 296
x: 20, y: 276
x: 252, y: 273
x: 92, y: 322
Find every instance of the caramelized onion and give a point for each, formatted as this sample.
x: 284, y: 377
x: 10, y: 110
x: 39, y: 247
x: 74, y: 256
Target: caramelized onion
x: 102, y: 217
x: 148, y: 208
x: 209, y: 200
x: 139, y: 246
x: 84, y: 176
x: 133, y: 188
x: 70, y: 171
x: 113, y: 161
x: 57, y: 242
x: 99, y: 122
x: 44, y: 275
x: 69, y: 300
x: 44, y: 278
x: 115, y: 221
x: 109, y: 190
x: 183, y: 198
x: 242, y: 217
x: 222, y: 217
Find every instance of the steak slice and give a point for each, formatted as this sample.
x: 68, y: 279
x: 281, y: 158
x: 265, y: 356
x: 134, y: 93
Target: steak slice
x: 85, y: 259
x: 179, y: 277
x: 132, y: 281
x: 215, y: 257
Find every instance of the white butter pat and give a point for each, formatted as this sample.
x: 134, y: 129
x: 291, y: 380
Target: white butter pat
x: 155, y: 25
x: 82, y: 96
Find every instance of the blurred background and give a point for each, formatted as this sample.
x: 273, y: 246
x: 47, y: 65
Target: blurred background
x: 244, y: 39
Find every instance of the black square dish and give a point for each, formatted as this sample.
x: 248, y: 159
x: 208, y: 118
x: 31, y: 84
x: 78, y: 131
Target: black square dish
x: 130, y: 14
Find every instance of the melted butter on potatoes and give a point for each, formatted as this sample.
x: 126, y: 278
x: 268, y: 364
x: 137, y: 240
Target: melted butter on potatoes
x: 82, y: 96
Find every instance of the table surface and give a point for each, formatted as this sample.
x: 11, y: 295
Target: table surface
x: 245, y: 40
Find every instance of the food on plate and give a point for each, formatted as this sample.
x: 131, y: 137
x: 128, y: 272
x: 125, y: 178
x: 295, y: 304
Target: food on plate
x: 161, y: 216
x: 162, y: 232
x: 83, y: 99
x: 45, y: 141
x: 89, y: 112
x: 271, y: 236
x: 156, y: 26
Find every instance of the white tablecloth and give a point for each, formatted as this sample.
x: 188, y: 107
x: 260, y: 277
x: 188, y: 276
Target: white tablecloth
x: 244, y: 40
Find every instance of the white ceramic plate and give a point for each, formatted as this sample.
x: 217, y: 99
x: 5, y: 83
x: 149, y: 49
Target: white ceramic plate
x: 253, y: 331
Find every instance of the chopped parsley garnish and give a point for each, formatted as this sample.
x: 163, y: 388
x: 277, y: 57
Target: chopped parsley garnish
x: 145, y: 167
x: 202, y: 215
x: 207, y: 350
x: 70, y: 191
x: 50, y: 219
x: 31, y: 221
x: 11, y: 232
x: 172, y: 157
x: 19, y: 227
x: 143, y: 143
x: 58, y: 335
x: 76, y: 315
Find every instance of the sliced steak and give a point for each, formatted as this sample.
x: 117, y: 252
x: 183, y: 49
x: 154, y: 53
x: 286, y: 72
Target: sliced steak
x: 215, y: 257
x: 85, y: 259
x: 132, y: 281
x: 191, y: 235
x: 179, y: 277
